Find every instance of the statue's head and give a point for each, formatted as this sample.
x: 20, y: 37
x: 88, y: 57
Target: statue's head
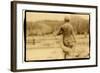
x: 67, y: 19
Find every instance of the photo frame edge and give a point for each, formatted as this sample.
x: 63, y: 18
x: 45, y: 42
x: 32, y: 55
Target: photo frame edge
x: 14, y: 35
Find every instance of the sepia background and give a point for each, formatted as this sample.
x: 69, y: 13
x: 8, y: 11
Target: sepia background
x: 43, y: 44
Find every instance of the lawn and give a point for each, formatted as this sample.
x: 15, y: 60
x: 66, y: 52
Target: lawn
x: 49, y: 47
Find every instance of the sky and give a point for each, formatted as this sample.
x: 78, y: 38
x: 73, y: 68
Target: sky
x: 34, y: 16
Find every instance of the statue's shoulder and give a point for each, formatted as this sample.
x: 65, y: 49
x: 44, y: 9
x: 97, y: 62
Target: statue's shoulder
x: 68, y: 25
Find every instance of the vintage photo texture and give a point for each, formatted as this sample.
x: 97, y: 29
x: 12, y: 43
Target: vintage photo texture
x: 56, y: 35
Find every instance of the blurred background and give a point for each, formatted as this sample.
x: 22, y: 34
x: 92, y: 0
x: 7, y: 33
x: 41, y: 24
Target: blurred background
x: 44, y: 23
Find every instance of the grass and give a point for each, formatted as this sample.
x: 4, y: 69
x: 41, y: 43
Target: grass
x: 49, y: 47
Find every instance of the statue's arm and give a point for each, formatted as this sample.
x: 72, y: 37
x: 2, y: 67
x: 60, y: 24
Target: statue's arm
x: 73, y: 35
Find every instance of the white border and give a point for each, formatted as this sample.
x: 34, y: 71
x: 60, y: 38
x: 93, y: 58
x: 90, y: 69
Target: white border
x: 20, y: 48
